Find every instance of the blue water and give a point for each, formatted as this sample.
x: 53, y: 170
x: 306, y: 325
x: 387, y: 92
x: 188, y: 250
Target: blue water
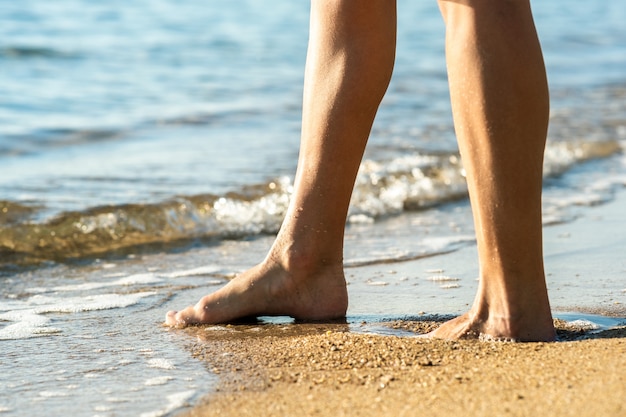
x: 121, y: 102
x: 138, y: 138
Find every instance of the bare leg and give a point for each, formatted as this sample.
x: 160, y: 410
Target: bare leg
x: 349, y: 64
x: 500, y: 104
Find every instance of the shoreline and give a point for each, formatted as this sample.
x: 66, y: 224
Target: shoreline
x: 341, y: 369
x: 285, y: 370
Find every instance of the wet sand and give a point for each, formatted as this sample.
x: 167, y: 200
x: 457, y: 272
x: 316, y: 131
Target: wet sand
x: 287, y: 370
x: 373, y: 367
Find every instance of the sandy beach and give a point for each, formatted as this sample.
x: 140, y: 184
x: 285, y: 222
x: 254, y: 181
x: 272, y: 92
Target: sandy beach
x: 149, y: 156
x: 360, y: 369
x: 334, y: 372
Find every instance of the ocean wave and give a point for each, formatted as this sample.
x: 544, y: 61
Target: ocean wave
x: 13, y: 213
x: 383, y: 188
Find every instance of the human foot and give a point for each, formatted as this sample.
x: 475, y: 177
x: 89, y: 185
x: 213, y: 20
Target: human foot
x: 472, y: 326
x: 272, y: 290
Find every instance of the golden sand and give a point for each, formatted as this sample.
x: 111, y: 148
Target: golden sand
x: 333, y: 370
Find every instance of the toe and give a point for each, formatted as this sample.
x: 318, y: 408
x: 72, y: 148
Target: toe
x: 170, y: 318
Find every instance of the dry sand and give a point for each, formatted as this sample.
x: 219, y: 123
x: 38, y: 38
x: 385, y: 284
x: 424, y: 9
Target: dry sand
x: 333, y: 370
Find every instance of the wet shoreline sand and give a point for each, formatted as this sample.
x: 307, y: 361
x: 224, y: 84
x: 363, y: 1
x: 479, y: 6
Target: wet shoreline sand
x: 358, y: 368
x: 330, y: 371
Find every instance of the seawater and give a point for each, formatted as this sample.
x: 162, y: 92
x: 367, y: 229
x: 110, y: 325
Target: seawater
x: 78, y: 347
x: 148, y: 148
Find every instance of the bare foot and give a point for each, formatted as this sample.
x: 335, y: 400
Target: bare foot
x: 472, y: 326
x: 269, y: 289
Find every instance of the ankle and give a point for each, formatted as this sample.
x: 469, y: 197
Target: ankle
x: 304, y: 258
x: 516, y: 318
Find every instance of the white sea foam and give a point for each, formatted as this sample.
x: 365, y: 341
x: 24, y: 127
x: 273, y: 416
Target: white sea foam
x: 25, y: 330
x: 114, y: 275
x: 27, y: 324
x: 449, y: 286
x: 161, y: 363
x: 584, y: 324
x: 102, y: 408
x: 203, y: 270
x: 29, y: 320
x: 136, y: 279
x: 252, y: 217
x: 159, y: 380
x: 560, y: 156
x: 175, y: 401
x: 442, y: 278
x: 45, y: 304
x: 417, y: 180
x: 53, y: 394
x: 117, y: 400
x: 377, y: 283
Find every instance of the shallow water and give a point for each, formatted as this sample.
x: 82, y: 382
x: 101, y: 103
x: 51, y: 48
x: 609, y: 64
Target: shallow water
x: 94, y: 347
x: 147, y: 151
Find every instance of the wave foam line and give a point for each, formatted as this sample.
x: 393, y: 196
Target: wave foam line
x: 411, y: 182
